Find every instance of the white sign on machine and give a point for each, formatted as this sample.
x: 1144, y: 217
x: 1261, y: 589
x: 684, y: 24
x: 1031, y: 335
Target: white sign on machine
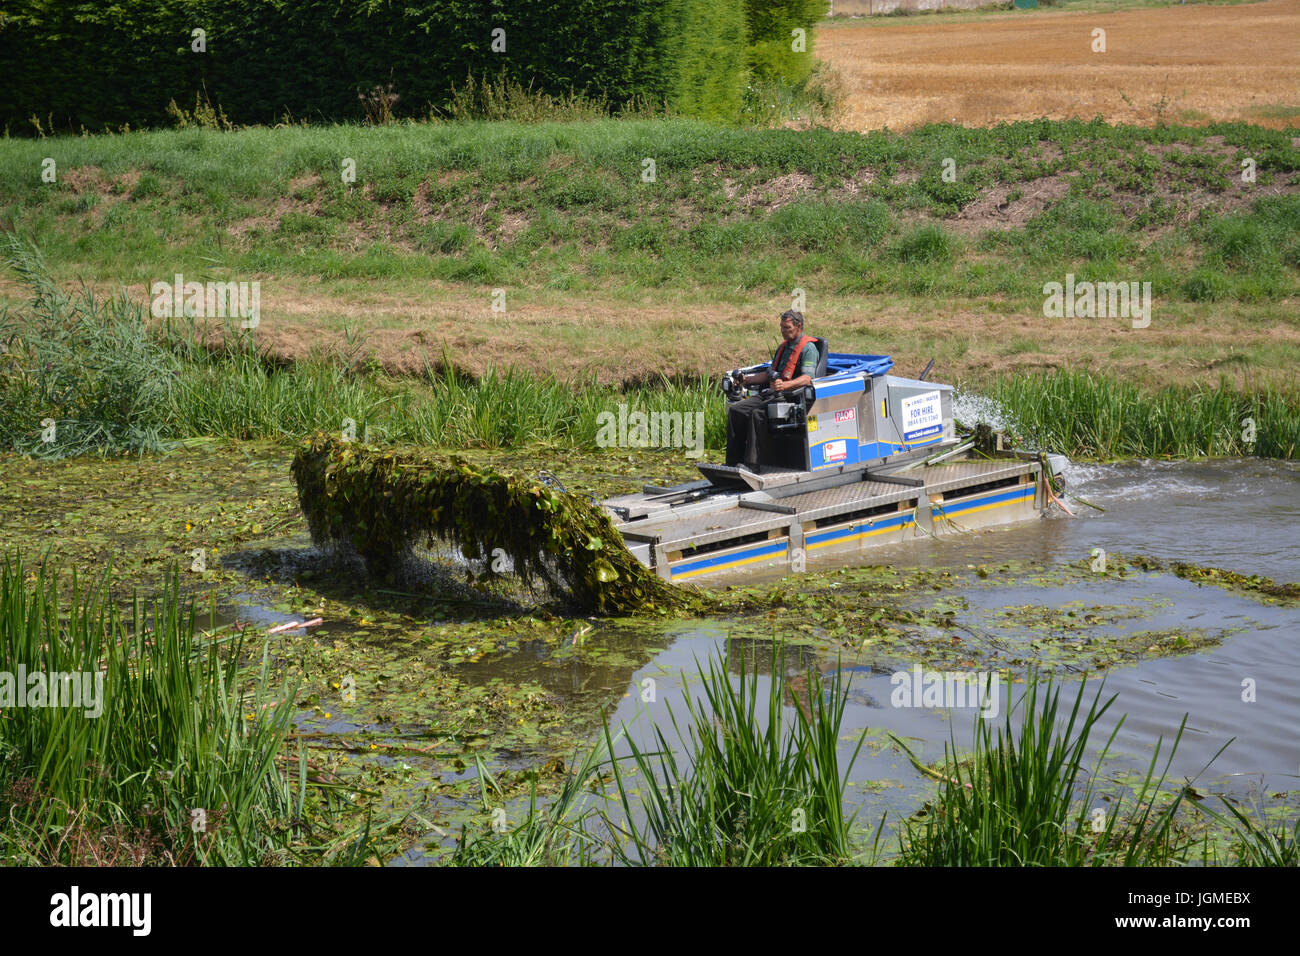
x: 922, y: 416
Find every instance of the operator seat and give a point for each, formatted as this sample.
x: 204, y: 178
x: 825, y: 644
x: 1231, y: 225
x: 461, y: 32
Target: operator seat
x: 823, y: 355
x: 802, y: 397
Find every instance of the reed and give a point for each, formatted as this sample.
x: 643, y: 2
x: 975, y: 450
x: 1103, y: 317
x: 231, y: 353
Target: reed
x: 550, y: 836
x: 1087, y: 415
x: 239, y: 396
x: 107, y: 384
x: 746, y: 784
x: 179, y: 764
x: 1023, y: 798
x: 78, y: 374
x: 1254, y: 843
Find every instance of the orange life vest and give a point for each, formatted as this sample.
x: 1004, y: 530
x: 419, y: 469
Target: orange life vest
x: 791, y: 361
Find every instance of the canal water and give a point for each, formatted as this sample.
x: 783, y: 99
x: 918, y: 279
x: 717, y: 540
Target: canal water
x: 1242, y: 691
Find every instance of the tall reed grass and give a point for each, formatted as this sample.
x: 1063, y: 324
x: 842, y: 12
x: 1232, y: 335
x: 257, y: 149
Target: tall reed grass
x: 744, y: 784
x: 180, y: 764
x: 79, y: 374
x: 1023, y: 797
x: 1087, y: 415
x: 551, y: 836
x: 103, y: 382
x: 240, y: 396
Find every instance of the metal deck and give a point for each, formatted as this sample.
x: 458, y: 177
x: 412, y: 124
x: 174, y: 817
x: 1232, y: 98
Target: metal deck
x: 696, y: 530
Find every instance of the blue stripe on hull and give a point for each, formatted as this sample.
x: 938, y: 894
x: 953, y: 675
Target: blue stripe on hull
x: 724, y: 562
x: 770, y: 550
x: 861, y: 530
x: 979, y: 503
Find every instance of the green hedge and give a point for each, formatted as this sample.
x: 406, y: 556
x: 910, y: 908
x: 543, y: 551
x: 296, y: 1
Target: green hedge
x: 771, y: 26
x: 92, y: 65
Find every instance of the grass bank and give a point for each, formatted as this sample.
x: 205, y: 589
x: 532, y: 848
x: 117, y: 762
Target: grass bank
x: 81, y: 374
x: 510, y: 203
x: 622, y: 248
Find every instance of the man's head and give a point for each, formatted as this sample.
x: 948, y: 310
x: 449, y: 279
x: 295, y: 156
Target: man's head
x: 791, y: 325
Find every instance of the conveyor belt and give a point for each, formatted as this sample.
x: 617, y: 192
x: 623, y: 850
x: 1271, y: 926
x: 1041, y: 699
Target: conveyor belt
x: 847, y: 498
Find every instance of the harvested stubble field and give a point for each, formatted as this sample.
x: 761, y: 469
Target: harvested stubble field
x: 1238, y: 62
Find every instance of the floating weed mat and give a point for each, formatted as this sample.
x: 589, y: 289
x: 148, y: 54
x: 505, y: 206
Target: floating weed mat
x: 384, y: 504
x: 1283, y: 593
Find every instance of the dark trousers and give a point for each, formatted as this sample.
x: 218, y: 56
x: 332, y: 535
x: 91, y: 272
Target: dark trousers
x: 748, y: 440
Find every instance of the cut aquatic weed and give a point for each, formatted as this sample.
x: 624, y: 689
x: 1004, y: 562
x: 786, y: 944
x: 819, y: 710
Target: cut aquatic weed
x: 381, y: 504
x: 751, y: 787
x: 1021, y: 799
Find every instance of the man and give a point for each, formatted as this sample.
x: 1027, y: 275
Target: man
x: 792, y: 367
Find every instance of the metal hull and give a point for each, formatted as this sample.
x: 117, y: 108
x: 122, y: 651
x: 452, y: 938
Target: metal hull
x: 785, y: 528
x: 866, y: 459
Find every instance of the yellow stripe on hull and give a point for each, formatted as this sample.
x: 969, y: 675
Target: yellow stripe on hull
x: 713, y: 568
x: 864, y: 534
x: 970, y: 511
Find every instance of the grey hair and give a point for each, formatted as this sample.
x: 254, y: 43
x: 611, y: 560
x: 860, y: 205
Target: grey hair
x: 792, y: 314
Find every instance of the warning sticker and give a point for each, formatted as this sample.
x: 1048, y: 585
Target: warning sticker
x: 835, y: 450
x: 922, y: 416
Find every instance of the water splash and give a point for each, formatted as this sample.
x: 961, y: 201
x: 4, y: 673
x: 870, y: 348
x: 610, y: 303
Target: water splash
x: 970, y: 409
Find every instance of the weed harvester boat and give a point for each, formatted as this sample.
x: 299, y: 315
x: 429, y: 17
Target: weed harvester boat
x: 859, y: 458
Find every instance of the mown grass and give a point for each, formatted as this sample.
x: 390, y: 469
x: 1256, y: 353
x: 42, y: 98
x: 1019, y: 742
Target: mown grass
x: 569, y: 205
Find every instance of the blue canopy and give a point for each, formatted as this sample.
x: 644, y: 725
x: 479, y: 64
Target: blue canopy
x: 841, y: 363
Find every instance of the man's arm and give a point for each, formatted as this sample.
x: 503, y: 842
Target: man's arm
x: 807, y: 366
x: 786, y: 385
